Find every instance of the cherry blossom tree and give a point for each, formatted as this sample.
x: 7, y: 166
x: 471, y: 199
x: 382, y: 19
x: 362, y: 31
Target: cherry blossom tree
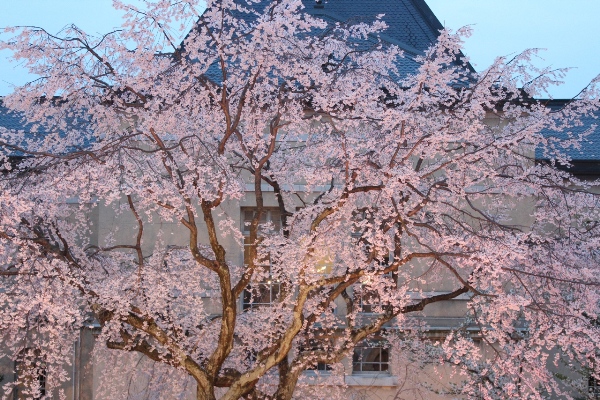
x: 368, y: 196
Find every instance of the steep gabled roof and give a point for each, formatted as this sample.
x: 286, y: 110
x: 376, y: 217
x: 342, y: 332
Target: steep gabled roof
x: 412, y: 26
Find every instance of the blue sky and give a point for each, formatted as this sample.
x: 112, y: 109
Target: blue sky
x: 570, y: 31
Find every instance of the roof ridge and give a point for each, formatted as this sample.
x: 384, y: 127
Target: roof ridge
x: 429, y: 17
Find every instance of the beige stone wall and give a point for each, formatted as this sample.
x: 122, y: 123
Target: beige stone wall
x: 92, y: 372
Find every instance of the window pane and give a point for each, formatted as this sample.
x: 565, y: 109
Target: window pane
x: 275, y: 218
x: 269, y: 214
x: 246, y: 251
x: 266, y: 292
x: 260, y: 294
x: 372, y: 358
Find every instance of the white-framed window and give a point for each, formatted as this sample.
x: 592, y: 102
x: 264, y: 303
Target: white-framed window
x: 320, y: 344
x: 320, y: 367
x: 269, y: 214
x: 265, y: 292
x: 370, y: 356
x: 260, y: 294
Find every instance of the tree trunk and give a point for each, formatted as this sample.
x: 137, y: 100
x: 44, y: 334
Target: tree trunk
x: 287, y: 385
x: 205, y: 393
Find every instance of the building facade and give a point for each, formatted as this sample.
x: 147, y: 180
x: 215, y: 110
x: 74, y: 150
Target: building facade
x: 377, y: 367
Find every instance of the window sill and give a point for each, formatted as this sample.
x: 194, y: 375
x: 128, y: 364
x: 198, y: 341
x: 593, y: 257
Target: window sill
x: 362, y: 379
x: 312, y: 373
x: 374, y: 379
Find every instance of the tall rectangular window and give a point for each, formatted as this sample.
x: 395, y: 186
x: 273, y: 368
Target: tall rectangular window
x: 264, y: 292
x: 317, y: 345
x: 260, y: 294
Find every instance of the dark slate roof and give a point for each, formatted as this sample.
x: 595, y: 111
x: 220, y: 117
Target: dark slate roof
x: 411, y: 24
x: 589, y: 148
x: 15, y: 121
x: 412, y: 27
x: 11, y: 120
